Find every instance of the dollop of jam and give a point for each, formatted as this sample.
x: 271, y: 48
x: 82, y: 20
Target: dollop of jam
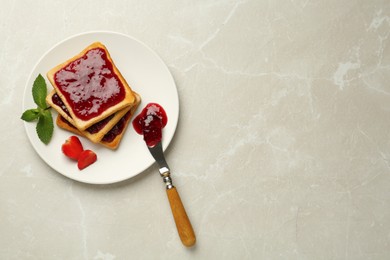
x: 150, y: 123
x: 89, y: 84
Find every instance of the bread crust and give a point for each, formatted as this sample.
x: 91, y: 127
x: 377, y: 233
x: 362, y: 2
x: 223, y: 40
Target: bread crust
x: 114, y: 144
x: 94, y: 137
x: 81, y: 124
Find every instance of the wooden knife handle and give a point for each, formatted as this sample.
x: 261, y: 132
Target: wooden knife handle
x: 183, y: 224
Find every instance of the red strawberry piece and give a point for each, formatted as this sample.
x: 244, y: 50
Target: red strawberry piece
x: 86, y: 158
x: 72, y: 147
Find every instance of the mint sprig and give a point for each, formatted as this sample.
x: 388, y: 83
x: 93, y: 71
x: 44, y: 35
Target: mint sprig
x: 42, y: 113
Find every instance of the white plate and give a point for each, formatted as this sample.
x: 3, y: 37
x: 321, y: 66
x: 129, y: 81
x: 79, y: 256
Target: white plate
x: 145, y: 72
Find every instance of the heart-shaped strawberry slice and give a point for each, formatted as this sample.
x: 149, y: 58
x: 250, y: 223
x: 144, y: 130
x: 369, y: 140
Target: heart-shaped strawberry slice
x: 72, y: 147
x: 86, y: 158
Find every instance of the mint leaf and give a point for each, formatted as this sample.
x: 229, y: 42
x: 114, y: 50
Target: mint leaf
x: 39, y: 92
x: 45, y: 126
x: 30, y: 115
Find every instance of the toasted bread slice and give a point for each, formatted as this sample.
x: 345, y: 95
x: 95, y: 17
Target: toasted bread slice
x: 113, y: 138
x: 96, y: 132
x: 91, y: 86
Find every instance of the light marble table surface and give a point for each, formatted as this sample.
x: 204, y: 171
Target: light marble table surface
x: 282, y: 150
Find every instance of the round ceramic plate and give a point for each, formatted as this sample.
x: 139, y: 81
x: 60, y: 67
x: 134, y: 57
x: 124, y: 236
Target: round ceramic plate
x: 147, y: 75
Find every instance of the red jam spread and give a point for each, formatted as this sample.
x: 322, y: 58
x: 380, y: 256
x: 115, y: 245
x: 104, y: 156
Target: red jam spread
x: 117, y: 129
x: 67, y: 122
x: 150, y: 123
x: 57, y: 100
x: 93, y: 128
x: 114, y: 132
x: 90, y: 85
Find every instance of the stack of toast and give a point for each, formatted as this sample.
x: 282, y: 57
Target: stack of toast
x: 91, y: 96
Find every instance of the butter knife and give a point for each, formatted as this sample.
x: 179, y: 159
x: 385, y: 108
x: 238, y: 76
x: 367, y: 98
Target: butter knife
x: 183, y: 224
